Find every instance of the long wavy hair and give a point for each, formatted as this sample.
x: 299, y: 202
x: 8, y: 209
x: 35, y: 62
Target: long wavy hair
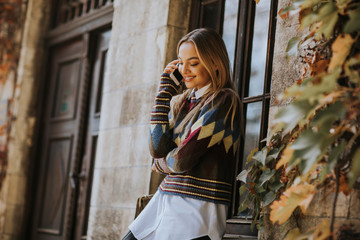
x: 212, y: 54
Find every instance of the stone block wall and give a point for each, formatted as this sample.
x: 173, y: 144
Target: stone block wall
x: 284, y: 75
x: 143, y: 40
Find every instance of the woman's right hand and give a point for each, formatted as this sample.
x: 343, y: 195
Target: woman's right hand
x: 171, y: 66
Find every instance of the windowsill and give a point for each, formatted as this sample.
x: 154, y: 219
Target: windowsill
x: 240, y: 227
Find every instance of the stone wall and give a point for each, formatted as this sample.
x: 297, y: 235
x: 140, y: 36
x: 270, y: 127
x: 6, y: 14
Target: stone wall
x: 284, y: 75
x: 144, y: 38
x: 16, y: 187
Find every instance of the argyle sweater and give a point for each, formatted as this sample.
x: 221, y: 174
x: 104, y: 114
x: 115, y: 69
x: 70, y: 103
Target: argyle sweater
x: 199, y: 161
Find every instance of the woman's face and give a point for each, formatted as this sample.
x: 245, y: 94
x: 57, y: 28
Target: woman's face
x: 194, y: 73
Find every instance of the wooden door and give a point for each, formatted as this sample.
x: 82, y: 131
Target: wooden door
x: 61, y: 141
x: 84, y: 178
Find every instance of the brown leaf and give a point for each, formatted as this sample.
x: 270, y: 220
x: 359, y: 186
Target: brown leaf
x: 283, y: 15
x: 318, y: 67
x: 304, y: 71
x: 299, y: 195
x: 341, y: 48
x: 343, y: 186
x: 285, y: 157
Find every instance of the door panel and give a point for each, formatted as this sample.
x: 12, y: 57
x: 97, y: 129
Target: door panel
x: 61, y: 141
x: 52, y: 217
x: 102, y: 40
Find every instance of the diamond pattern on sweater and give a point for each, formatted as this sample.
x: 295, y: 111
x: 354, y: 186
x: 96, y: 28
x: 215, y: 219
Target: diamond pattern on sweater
x: 206, y: 131
x: 216, y: 138
x: 228, y: 142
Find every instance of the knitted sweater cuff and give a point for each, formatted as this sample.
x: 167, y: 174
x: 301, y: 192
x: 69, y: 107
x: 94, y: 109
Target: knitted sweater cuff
x: 161, y: 108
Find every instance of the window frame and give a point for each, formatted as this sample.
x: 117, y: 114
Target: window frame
x: 241, y: 76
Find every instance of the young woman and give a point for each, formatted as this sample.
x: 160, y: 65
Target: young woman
x: 194, y: 136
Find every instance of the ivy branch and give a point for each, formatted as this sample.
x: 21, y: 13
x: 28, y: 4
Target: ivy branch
x: 314, y: 142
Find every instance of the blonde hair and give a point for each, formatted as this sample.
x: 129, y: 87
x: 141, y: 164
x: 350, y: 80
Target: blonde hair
x: 212, y: 54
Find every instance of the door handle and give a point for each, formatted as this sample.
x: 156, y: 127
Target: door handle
x: 74, y: 177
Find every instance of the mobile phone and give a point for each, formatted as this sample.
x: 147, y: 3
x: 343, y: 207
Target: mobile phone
x: 176, y: 76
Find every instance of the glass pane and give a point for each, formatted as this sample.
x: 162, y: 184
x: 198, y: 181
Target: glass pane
x: 229, y: 28
x: 252, y: 131
x: 210, y: 15
x: 104, y: 59
x: 65, y: 98
x: 259, y: 49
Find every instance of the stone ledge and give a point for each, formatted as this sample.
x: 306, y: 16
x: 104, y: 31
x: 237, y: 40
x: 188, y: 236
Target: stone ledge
x: 238, y: 237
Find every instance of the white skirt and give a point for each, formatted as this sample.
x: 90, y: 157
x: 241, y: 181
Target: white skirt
x: 172, y: 217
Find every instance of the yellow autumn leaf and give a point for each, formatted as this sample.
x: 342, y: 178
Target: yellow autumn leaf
x: 299, y: 195
x: 318, y: 232
x: 322, y: 231
x: 257, y: 1
x: 341, y: 48
x: 285, y: 157
x: 293, y: 234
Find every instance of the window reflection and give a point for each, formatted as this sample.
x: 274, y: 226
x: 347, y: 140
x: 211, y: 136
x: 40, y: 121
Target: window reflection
x: 210, y: 15
x: 229, y: 28
x: 66, y: 89
x: 259, y: 49
x: 253, y: 124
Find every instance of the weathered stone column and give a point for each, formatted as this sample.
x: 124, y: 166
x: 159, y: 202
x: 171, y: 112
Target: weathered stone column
x: 17, y: 189
x: 143, y: 41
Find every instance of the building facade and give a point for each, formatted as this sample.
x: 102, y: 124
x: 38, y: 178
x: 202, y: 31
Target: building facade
x: 83, y: 88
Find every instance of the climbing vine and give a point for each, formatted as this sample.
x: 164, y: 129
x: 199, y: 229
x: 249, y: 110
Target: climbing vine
x: 315, y: 141
x: 10, y: 23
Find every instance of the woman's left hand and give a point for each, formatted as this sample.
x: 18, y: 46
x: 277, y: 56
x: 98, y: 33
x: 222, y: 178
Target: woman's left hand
x: 171, y: 66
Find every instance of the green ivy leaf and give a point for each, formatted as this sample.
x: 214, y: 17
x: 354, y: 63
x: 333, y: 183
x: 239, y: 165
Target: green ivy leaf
x: 324, y: 11
x: 325, y: 118
x: 309, y: 3
x: 307, y: 147
x: 350, y: 69
x: 276, y: 185
x: 310, y: 147
x: 334, y: 155
x: 292, y: 114
x: 259, y: 189
x: 269, y: 198
x: 319, y: 85
x: 242, y: 189
x: 243, y: 206
x: 251, y: 154
x: 327, y: 27
x: 266, y: 175
x: 355, y: 168
x: 353, y: 24
x: 242, y: 176
x: 273, y: 154
x: 292, y: 47
x: 260, y: 156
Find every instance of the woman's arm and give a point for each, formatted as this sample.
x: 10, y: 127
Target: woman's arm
x: 161, y: 141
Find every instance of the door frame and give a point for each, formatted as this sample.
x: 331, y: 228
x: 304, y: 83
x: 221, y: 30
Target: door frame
x: 80, y: 28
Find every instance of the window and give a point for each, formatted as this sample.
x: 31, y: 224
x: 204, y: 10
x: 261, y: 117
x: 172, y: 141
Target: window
x: 248, y: 30
x: 66, y: 11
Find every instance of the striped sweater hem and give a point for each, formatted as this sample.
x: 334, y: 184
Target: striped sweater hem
x: 202, y: 189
